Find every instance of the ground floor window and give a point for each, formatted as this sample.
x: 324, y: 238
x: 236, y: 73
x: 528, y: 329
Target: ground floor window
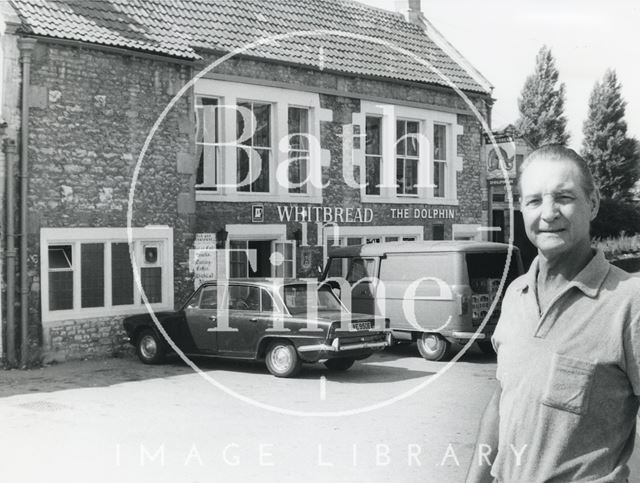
x: 88, y: 270
x: 261, y: 258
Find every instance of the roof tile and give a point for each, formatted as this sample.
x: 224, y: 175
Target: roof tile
x: 356, y: 38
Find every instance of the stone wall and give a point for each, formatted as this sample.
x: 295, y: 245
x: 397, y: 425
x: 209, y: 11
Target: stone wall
x: 91, y: 112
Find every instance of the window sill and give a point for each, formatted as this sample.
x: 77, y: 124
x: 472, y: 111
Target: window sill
x: 57, y: 318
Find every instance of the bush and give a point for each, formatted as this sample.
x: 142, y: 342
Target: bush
x: 616, y: 248
x: 616, y: 218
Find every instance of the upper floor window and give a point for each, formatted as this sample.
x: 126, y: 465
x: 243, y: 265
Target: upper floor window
x: 407, y: 157
x: 439, y: 160
x: 373, y: 155
x: 299, y: 156
x: 253, y: 125
x: 207, y: 139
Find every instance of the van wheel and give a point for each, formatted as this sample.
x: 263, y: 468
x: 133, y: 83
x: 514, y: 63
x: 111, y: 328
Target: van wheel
x: 433, y: 347
x: 486, y: 347
x: 282, y: 359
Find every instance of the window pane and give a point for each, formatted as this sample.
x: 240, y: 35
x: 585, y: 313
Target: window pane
x: 267, y: 301
x: 373, y: 128
x: 261, y: 184
x: 242, y: 170
x: 92, y: 275
x: 351, y: 241
x: 60, y: 290
x: 261, y: 135
x: 151, y: 278
x: 373, y: 175
x: 438, y: 179
x: 206, y: 134
x: 411, y: 176
x: 400, y: 132
x: 298, y: 124
x: 400, y: 181
x: 209, y: 298
x: 238, y: 260
x: 60, y: 257
x: 121, y: 275
x: 243, y: 114
x: 297, y: 173
x: 412, y: 138
x: 439, y: 142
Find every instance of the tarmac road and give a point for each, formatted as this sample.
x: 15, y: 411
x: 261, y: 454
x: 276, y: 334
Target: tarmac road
x: 117, y: 420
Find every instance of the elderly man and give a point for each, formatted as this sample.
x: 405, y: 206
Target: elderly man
x: 568, y: 344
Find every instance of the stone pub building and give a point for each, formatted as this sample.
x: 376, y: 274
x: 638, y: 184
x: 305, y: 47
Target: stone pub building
x: 281, y: 128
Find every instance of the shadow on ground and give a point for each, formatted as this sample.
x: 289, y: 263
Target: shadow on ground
x: 107, y: 372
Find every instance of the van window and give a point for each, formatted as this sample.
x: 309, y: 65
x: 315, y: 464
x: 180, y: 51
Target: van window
x: 409, y: 267
x: 491, y: 265
x: 360, y: 268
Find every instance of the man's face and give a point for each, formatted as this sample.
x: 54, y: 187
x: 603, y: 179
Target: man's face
x: 555, y: 208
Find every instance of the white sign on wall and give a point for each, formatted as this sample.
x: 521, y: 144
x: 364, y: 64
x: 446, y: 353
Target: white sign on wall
x: 202, y: 261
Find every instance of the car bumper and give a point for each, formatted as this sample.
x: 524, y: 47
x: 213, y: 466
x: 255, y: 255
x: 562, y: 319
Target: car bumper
x: 337, y: 347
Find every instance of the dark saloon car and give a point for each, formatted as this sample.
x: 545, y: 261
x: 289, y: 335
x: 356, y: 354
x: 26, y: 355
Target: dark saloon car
x: 283, y: 322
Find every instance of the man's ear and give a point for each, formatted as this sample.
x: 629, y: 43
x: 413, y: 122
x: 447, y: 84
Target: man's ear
x: 595, y: 203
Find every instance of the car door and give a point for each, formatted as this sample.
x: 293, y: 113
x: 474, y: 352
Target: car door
x: 246, y: 321
x: 202, y: 316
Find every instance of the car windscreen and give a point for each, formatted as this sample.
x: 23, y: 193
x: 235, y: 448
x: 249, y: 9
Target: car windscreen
x: 300, y: 298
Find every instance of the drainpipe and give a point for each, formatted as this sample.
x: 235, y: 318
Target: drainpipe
x: 26, y: 49
x: 10, y: 151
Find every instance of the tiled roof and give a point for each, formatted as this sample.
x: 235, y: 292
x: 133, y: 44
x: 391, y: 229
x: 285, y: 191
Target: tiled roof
x: 180, y: 28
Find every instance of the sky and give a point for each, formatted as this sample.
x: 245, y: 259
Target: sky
x: 502, y: 37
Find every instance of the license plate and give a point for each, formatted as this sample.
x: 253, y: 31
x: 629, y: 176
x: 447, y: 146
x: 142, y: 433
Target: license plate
x: 361, y: 325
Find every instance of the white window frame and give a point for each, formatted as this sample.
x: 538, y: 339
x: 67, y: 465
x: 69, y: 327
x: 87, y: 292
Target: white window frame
x: 210, y: 174
x: 229, y: 94
x: 427, y: 118
x: 162, y: 236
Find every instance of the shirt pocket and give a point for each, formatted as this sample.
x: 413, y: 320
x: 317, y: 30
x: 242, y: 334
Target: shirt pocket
x: 569, y: 384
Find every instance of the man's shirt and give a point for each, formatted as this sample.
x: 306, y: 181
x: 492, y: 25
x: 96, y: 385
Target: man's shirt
x: 570, y: 378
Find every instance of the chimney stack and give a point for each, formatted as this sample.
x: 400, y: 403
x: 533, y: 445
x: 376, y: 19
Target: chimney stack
x: 411, y: 10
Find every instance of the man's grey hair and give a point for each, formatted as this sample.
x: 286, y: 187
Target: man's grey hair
x: 557, y: 152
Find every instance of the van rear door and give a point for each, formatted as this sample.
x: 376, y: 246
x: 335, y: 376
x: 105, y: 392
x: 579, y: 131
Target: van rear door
x: 485, y: 270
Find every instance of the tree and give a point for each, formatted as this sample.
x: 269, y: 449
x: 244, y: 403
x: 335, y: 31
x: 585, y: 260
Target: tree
x: 612, y: 156
x: 541, y: 104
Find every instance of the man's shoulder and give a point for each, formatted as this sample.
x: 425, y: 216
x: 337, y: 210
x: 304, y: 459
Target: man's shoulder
x: 622, y: 284
x: 517, y: 285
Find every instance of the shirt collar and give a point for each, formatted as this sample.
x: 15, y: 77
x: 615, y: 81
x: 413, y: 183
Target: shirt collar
x: 589, y: 280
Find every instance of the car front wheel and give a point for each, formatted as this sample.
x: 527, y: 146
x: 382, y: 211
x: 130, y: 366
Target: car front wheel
x: 282, y: 359
x: 340, y: 364
x: 150, y: 348
x: 433, y: 347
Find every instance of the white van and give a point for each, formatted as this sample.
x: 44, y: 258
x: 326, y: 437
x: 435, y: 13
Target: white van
x: 436, y: 293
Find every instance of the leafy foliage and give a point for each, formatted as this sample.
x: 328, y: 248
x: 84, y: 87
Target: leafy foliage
x: 612, y: 156
x: 614, y: 218
x: 541, y: 104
